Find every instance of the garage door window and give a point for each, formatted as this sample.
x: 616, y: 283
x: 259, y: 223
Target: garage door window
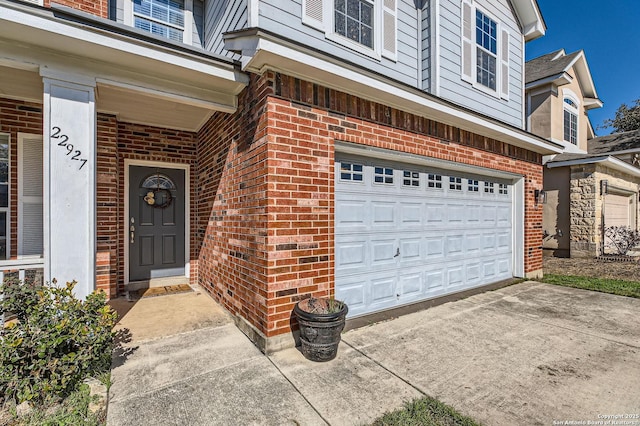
x: 488, y: 187
x: 351, y: 172
x: 411, y: 179
x: 473, y: 185
x: 455, y: 183
x: 502, y: 189
x: 434, y: 181
x: 383, y: 175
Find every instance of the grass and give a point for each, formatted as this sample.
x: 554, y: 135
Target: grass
x: 425, y: 411
x: 73, y: 410
x: 604, y: 285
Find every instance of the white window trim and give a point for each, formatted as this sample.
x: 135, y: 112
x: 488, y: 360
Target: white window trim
x: 21, y: 137
x: 501, y: 31
x: 320, y: 15
x: 8, y: 208
x: 570, y: 94
x: 474, y: 53
x: 187, y: 31
x: 329, y: 17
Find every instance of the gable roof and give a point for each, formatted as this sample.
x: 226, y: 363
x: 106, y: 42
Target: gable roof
x: 554, y: 68
x: 615, y: 143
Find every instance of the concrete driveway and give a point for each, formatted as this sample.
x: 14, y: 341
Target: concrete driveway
x: 528, y: 354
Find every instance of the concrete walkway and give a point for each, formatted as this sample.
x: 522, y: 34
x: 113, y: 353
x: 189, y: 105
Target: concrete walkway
x: 527, y: 354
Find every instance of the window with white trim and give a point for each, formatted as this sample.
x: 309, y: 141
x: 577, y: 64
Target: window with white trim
x: 383, y: 175
x: 366, y: 26
x: 352, y: 172
x: 160, y: 17
x: 485, y: 51
x: 4, y: 196
x: 410, y: 178
x: 570, y: 121
x: 434, y: 181
x: 30, y: 199
x: 488, y: 187
x: 177, y: 20
x: 455, y: 183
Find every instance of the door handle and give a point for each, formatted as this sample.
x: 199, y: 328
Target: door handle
x: 132, y: 230
x: 397, y: 252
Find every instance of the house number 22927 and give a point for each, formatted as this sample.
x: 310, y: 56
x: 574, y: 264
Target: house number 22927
x: 64, y: 143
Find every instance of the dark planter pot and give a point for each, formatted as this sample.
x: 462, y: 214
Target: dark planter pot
x: 319, y: 333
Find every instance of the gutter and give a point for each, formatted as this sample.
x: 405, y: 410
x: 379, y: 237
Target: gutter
x: 607, y: 160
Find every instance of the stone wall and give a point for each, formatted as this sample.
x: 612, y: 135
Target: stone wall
x: 587, y: 220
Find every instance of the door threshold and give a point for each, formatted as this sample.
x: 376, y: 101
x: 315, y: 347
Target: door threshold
x: 156, y: 282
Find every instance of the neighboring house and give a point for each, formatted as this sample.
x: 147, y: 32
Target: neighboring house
x: 270, y: 150
x: 588, y: 188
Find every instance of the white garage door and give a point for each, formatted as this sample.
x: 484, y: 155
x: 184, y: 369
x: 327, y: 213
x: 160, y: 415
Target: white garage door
x: 616, y: 210
x: 405, y: 233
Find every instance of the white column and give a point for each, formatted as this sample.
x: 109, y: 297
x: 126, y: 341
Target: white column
x: 69, y: 179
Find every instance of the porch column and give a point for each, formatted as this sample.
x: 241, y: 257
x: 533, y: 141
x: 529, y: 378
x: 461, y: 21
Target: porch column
x: 69, y: 114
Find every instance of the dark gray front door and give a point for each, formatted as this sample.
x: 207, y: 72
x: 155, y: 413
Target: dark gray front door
x: 156, y: 222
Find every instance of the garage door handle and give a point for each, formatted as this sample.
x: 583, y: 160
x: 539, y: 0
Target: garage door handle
x: 397, y: 252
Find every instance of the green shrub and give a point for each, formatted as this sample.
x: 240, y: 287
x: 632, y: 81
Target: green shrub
x: 55, y: 342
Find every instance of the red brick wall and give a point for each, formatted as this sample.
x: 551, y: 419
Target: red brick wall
x: 138, y: 142
x: 94, y: 7
x: 107, y: 206
x: 232, y: 194
x: 17, y: 117
x: 299, y: 182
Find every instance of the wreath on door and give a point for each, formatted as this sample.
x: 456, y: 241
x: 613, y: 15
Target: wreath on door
x: 159, y: 191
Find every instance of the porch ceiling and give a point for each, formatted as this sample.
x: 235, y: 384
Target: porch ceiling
x: 129, y: 104
x: 139, y: 78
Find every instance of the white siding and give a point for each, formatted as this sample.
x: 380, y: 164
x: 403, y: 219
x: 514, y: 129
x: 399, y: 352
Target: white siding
x: 453, y: 88
x: 283, y: 17
x: 222, y: 16
x: 426, y: 47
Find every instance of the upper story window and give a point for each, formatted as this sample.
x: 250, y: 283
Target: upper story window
x: 366, y: 26
x: 161, y: 17
x: 570, y: 119
x: 354, y: 20
x: 485, y: 51
x: 178, y: 20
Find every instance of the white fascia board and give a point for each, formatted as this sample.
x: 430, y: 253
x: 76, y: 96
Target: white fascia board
x: 530, y: 17
x: 16, y: 22
x: 608, y: 161
x: 557, y: 79
x: 260, y: 54
x: 591, y: 103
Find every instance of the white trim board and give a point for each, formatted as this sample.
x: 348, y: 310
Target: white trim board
x: 261, y: 53
x: 187, y: 204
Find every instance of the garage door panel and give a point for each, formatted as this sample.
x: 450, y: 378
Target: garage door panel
x: 383, y: 251
x: 434, y: 281
x: 383, y: 289
x: 455, y: 276
x: 410, y: 250
x: 398, y: 243
x: 410, y: 285
x: 435, y: 213
x: 435, y: 248
x: 455, y: 214
x: 352, y: 292
x: 410, y: 215
x: 352, y: 214
x: 474, y: 273
x: 455, y: 245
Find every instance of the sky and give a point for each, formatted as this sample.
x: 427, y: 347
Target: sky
x: 609, y: 34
